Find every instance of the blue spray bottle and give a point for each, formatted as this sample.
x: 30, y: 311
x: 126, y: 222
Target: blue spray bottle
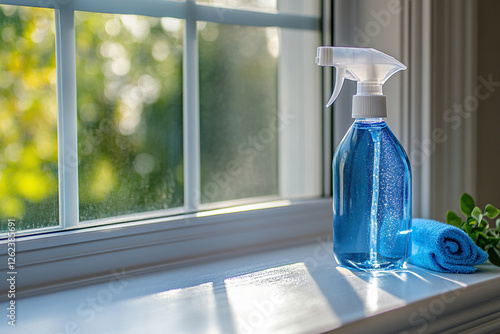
x: 371, y: 171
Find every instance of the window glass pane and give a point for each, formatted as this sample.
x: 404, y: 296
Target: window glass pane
x: 28, y: 118
x: 129, y: 73
x: 238, y: 113
x: 261, y: 5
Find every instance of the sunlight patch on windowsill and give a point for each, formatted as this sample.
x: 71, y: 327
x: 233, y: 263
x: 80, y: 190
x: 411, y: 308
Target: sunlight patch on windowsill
x: 243, y: 208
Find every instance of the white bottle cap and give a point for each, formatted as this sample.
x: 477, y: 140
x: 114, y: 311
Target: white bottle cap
x: 369, y: 106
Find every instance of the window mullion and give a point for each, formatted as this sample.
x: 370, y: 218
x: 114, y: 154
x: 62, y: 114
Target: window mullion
x: 191, y: 118
x: 66, y: 117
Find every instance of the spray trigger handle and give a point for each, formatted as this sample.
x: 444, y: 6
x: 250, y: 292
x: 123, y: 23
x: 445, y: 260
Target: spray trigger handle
x: 339, y: 82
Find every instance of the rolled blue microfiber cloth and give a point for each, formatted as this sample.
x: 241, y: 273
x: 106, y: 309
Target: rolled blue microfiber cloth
x: 444, y: 248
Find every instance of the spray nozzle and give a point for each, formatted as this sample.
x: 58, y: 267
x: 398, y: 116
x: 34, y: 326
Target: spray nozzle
x: 369, y: 67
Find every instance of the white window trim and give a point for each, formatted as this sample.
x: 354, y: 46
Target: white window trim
x: 448, y: 168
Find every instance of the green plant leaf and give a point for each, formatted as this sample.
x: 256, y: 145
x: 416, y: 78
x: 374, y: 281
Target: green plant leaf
x: 483, y: 225
x: 490, y: 211
x: 468, y: 228
x: 476, y: 213
x: 491, y: 232
x: 477, y: 227
x: 482, y: 235
x: 494, y: 256
x: 466, y: 204
x: 472, y: 223
x: 493, y: 241
x: 453, y: 219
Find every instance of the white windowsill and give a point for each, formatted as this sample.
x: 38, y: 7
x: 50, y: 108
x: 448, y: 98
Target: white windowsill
x: 84, y: 256
x: 297, y: 289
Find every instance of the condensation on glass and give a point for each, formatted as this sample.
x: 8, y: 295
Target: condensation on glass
x: 129, y: 100
x: 28, y: 118
x: 238, y: 111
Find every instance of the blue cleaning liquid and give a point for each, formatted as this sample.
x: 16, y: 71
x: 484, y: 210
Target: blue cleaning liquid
x: 372, y: 198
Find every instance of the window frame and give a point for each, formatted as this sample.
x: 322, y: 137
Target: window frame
x: 93, y: 249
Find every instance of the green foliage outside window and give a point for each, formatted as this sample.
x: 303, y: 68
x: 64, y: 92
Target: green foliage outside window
x: 28, y: 117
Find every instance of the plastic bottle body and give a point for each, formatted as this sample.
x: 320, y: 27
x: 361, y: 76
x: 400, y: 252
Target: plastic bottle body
x: 372, y: 198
